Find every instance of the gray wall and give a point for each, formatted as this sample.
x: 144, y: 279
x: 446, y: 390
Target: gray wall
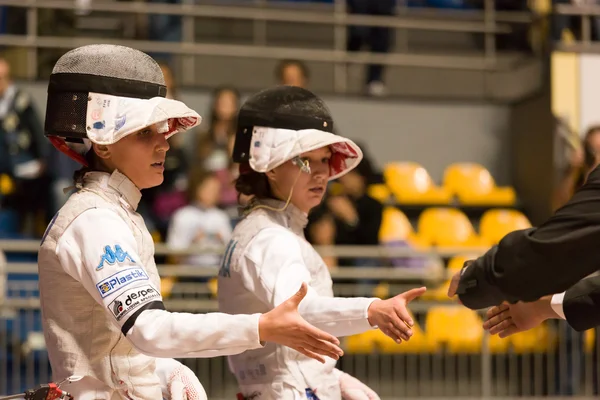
x: 432, y: 133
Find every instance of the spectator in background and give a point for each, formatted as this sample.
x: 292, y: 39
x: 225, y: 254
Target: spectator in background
x: 377, y: 39
x: 357, y: 215
x: 23, y: 155
x: 321, y: 232
x: 583, y: 160
x: 212, y: 144
x: 292, y: 73
x: 200, y: 223
x: 214, y: 147
x: 164, y: 27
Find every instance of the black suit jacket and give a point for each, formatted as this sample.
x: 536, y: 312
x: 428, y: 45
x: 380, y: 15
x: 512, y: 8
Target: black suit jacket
x: 581, y: 304
x: 531, y: 263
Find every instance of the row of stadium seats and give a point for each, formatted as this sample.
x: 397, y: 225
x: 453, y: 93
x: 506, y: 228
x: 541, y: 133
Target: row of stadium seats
x: 458, y: 330
x: 449, y: 227
x: 470, y: 184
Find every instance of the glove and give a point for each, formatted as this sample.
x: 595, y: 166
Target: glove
x: 178, y: 381
x: 353, y: 389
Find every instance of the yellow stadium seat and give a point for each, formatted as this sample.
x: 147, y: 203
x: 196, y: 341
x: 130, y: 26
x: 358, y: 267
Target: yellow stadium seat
x: 364, y: 343
x: 537, y: 340
x: 166, y: 286
x: 156, y: 236
x: 379, y: 192
x: 447, y: 227
x: 410, y: 183
x: 376, y: 341
x: 589, y: 340
x: 7, y: 185
x: 459, y: 330
x: 473, y: 184
x: 395, y: 227
x: 454, y: 265
x: 495, y: 224
x: 213, y: 286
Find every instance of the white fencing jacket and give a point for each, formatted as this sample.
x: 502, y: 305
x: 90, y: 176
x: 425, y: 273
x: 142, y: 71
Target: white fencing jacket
x: 265, y: 263
x: 103, y: 315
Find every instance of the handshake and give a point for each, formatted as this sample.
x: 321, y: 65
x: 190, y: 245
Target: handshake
x: 507, y: 319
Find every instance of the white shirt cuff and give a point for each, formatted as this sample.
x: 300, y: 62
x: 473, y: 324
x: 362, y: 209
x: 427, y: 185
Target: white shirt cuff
x: 557, y: 304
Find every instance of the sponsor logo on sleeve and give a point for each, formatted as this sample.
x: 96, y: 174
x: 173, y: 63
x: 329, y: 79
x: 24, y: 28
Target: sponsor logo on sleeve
x: 131, y: 300
x: 111, y: 257
x: 118, y: 281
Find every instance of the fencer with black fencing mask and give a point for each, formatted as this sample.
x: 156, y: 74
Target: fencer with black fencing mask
x: 103, y: 314
x: 287, y: 154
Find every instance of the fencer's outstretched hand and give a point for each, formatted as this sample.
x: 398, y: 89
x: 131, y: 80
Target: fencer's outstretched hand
x: 391, y: 316
x: 508, y: 319
x: 284, y: 325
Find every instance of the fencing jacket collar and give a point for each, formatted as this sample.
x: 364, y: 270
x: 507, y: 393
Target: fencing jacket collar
x: 292, y: 218
x: 116, y: 183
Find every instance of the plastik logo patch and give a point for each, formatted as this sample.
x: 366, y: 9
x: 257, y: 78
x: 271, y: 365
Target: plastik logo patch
x: 131, y: 300
x: 118, y: 281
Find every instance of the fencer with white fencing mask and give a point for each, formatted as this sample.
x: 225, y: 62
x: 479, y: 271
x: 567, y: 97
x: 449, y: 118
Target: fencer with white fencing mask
x: 287, y: 154
x: 102, y: 310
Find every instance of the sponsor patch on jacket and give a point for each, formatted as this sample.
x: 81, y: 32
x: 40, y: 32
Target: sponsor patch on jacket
x: 225, y: 270
x: 112, y: 256
x: 118, y: 281
x: 131, y: 300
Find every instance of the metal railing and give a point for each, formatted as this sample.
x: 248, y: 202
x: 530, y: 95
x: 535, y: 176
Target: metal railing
x: 584, y: 12
x: 488, y: 22
x: 449, y: 356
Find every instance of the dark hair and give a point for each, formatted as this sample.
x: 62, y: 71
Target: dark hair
x: 253, y: 183
x: 289, y: 62
x: 196, y: 178
x: 94, y: 164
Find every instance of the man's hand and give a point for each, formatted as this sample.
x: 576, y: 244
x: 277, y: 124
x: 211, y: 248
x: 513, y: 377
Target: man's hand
x: 391, y: 316
x: 454, y: 284
x: 284, y: 325
x: 508, y: 319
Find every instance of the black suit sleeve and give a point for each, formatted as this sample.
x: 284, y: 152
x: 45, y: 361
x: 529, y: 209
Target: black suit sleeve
x: 532, y: 263
x: 581, y: 304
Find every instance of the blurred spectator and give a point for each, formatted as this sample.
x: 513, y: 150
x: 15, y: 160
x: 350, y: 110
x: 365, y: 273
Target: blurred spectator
x: 164, y: 27
x: 292, y: 73
x: 172, y: 90
x: 23, y: 154
x: 200, y: 223
x: 321, y: 232
x: 214, y: 147
x: 583, y: 160
x: 377, y: 39
x: 357, y: 215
